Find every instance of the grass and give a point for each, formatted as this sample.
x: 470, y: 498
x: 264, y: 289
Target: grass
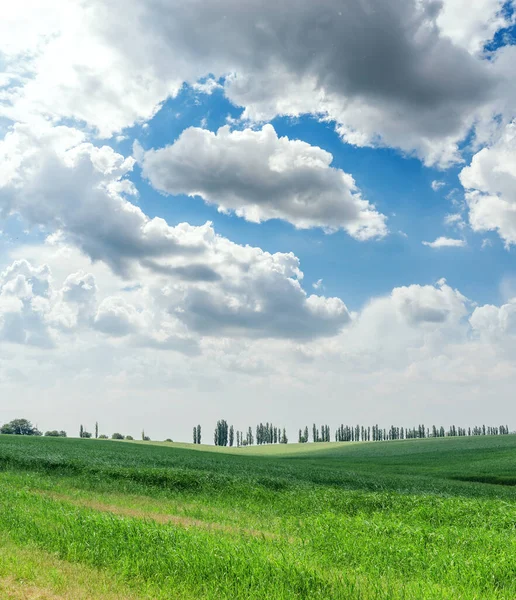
x: 410, y: 519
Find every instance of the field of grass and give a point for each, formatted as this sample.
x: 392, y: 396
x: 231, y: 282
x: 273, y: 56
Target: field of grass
x: 414, y: 519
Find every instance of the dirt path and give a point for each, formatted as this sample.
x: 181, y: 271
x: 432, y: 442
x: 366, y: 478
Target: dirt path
x: 179, y: 520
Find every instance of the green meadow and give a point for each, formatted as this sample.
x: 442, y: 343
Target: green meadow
x: 414, y: 519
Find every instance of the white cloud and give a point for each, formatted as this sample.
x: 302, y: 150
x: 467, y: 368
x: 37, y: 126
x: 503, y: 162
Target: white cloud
x: 422, y: 352
x: 52, y: 178
x: 117, y: 318
x: 472, y: 23
x: 208, y: 86
x: 437, y: 185
x: 334, y: 60
x: 444, y: 242
x: 260, y: 176
x: 490, y: 184
x: 454, y: 219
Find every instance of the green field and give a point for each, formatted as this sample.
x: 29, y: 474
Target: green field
x: 411, y: 519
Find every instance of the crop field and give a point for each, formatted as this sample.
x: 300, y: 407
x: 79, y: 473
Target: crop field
x: 414, y: 519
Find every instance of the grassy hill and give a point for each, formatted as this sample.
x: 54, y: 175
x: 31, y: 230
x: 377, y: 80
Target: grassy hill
x: 411, y: 519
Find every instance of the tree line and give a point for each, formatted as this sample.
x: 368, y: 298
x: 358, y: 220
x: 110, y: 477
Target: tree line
x: 25, y: 427
x: 375, y: 433
x: 225, y: 435
x: 267, y: 433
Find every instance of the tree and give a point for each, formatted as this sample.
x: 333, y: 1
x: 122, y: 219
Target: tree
x: 284, y: 439
x: 19, y: 427
x: 195, y: 435
x: 198, y: 434
x: 129, y: 437
x: 103, y: 436
x: 231, y: 435
x: 86, y: 434
x: 117, y: 436
x: 221, y: 433
x: 81, y: 431
x: 96, y: 430
x: 55, y: 433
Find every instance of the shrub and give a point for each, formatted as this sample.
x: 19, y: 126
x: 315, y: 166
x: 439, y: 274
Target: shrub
x: 129, y: 437
x: 55, y: 433
x: 117, y: 436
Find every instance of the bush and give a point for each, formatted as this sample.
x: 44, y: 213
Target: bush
x: 103, y: 436
x: 129, y: 437
x: 169, y: 440
x: 117, y: 436
x: 86, y: 434
x: 55, y: 433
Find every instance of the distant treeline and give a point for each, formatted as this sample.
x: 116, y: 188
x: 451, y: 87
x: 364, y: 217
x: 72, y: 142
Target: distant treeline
x: 25, y: 427
x: 267, y: 433
x: 374, y: 433
x: 224, y: 434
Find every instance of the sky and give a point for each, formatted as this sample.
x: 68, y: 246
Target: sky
x: 292, y: 211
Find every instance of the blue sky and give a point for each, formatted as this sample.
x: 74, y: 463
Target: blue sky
x: 399, y: 186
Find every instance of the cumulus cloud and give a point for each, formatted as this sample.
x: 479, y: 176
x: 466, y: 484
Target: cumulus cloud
x: 387, y: 71
x: 52, y: 178
x: 472, y: 23
x: 24, y: 303
x: 498, y: 322
x: 444, y: 242
x: 410, y: 324
x: 490, y: 184
x: 35, y: 311
x: 258, y: 295
x: 429, y: 304
x: 260, y: 176
x: 425, y: 344
x: 116, y: 317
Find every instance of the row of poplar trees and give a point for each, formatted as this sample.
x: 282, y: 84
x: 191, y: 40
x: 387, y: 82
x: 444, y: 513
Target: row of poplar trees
x: 225, y: 435
x: 267, y: 433
x: 358, y: 433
